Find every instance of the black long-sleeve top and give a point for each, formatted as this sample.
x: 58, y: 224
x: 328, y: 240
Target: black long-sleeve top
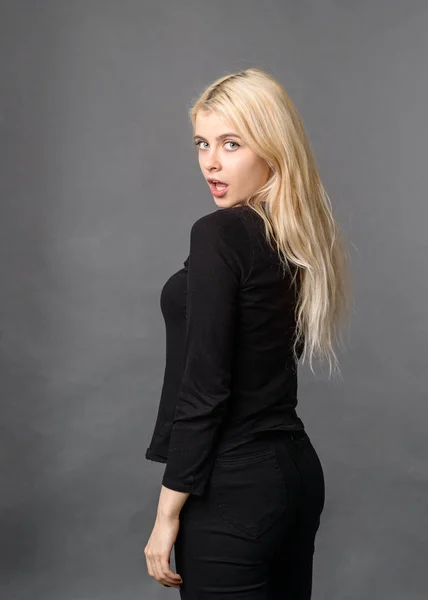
x: 230, y: 374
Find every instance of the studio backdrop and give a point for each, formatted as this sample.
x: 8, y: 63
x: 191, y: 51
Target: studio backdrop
x: 99, y: 187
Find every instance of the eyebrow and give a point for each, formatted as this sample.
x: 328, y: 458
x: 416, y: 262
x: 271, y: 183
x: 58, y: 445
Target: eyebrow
x: 220, y: 137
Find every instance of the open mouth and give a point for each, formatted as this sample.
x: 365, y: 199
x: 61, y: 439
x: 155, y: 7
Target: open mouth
x: 217, y: 187
x: 217, y: 181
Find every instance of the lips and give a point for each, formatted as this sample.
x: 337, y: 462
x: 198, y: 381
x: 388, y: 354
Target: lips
x: 218, y: 188
x: 217, y: 181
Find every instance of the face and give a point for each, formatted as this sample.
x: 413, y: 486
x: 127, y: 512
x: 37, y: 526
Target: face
x: 226, y: 158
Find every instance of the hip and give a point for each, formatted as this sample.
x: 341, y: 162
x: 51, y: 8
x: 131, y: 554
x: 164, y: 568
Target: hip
x: 263, y: 481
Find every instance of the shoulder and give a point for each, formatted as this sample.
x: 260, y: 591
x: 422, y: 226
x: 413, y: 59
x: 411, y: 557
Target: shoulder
x: 223, y: 224
x: 222, y: 235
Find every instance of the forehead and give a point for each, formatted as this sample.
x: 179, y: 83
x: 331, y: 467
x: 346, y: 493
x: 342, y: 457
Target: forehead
x: 211, y: 123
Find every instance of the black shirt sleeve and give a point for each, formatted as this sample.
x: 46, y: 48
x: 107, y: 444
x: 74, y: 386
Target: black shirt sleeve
x: 215, y: 271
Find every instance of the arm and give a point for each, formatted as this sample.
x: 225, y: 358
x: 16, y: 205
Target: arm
x: 170, y: 503
x: 214, y: 275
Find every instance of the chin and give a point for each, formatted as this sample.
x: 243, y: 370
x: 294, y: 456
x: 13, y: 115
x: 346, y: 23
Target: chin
x: 223, y: 203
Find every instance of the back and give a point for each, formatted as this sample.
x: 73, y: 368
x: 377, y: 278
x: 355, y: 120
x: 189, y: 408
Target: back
x: 264, y: 373
x: 230, y: 373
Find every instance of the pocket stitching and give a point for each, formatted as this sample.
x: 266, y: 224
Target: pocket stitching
x: 227, y: 513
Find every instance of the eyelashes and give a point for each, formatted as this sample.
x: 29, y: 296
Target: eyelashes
x: 229, y: 142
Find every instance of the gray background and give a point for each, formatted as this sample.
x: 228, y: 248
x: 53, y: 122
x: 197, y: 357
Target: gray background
x: 100, y: 185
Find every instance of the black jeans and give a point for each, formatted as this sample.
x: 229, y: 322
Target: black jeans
x: 251, y: 536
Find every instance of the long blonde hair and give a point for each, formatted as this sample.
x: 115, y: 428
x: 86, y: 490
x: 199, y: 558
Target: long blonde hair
x: 293, y: 203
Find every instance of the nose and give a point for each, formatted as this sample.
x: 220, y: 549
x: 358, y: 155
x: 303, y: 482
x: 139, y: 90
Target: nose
x: 211, y: 161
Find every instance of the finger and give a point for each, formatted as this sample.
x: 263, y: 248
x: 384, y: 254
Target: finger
x: 172, y: 578
x: 167, y: 576
x: 157, y: 573
x: 152, y: 566
x: 167, y: 572
x: 151, y: 570
x: 149, y: 565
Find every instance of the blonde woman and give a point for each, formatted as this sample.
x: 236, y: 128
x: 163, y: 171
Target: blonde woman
x: 265, y: 285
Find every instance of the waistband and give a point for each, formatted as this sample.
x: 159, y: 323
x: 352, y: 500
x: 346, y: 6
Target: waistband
x: 262, y: 441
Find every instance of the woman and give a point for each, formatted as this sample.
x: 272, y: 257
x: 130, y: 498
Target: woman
x: 265, y: 282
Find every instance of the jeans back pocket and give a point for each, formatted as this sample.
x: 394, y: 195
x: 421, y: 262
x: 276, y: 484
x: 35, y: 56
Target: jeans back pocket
x: 249, y: 490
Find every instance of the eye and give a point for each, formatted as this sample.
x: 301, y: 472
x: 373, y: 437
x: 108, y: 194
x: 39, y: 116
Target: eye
x: 230, y: 142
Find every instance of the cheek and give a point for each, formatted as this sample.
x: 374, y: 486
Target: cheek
x: 247, y: 163
x: 254, y: 173
x: 242, y: 167
x: 260, y: 172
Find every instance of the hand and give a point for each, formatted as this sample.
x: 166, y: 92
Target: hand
x: 158, y: 551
